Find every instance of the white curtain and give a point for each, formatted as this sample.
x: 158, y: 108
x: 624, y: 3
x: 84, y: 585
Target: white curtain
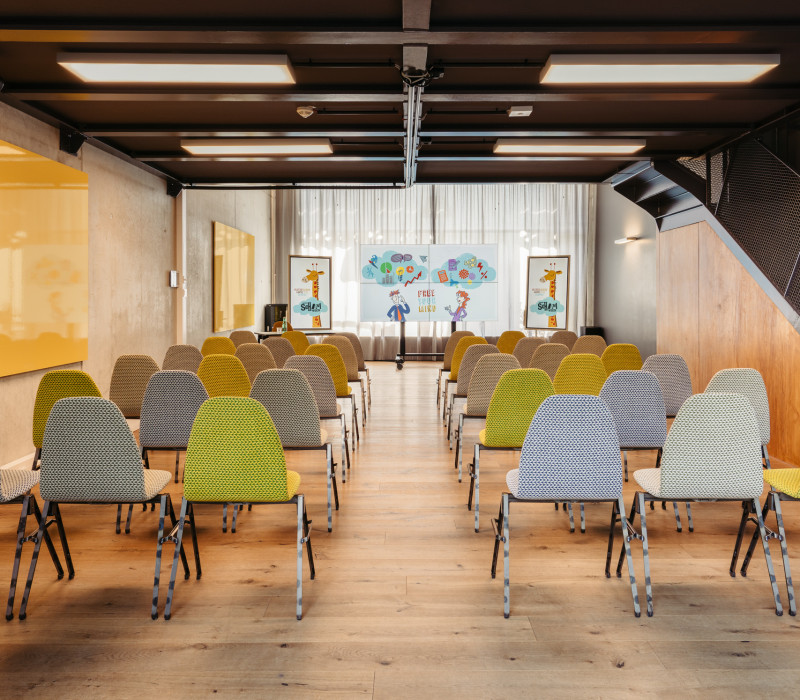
x: 523, y: 220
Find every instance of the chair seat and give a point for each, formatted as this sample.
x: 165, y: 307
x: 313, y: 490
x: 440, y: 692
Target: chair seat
x: 512, y: 481
x: 292, y: 484
x: 15, y: 482
x: 482, y: 440
x: 649, y: 480
x: 154, y: 481
x: 785, y: 480
x: 345, y: 393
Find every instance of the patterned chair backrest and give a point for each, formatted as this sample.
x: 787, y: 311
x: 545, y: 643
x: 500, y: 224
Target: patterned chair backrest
x: 637, y: 406
x: 508, y: 341
x: 186, y: 357
x: 594, y: 344
x: 548, y: 357
x: 348, y: 353
x: 241, y: 337
x: 298, y: 340
x: 450, y: 347
x: 224, y: 375
x: 749, y: 383
x: 54, y: 385
x: 518, y: 395
x: 356, y: 341
x: 333, y: 358
x: 234, y: 454
x: 571, y: 451
x: 580, y: 374
x: 287, y: 396
x: 458, y: 353
x: 567, y: 338
x: 319, y: 378
x: 713, y: 450
x: 525, y: 348
x: 673, y: 376
x: 484, y: 380
x: 255, y: 358
x: 280, y: 348
x: 129, y: 381
x: 218, y: 345
x: 621, y: 356
x: 89, y: 454
x: 468, y: 363
x: 171, y: 402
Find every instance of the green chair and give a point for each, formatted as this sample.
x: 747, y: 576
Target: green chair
x: 224, y: 375
x: 218, y: 345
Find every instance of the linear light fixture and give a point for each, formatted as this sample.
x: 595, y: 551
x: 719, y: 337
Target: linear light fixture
x: 257, y: 147
x: 179, y: 68
x: 566, y: 147
x: 656, y: 68
x: 627, y: 239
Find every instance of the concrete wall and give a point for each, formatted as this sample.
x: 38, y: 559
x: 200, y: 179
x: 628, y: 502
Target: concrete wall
x: 625, y: 275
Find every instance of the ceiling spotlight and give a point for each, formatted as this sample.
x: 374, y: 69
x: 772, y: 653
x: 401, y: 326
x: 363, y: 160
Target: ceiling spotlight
x: 306, y: 111
x: 524, y: 111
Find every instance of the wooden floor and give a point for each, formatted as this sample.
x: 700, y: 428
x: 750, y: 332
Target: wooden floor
x: 403, y: 605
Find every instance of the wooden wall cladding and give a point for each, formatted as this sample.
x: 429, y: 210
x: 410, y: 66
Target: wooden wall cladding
x: 711, y: 311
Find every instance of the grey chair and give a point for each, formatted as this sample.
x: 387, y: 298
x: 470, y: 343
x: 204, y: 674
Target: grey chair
x: 186, y: 357
x: 673, y: 376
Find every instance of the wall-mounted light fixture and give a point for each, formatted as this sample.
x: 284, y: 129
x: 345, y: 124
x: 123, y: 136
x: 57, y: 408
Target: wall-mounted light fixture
x: 627, y: 239
x: 257, y: 147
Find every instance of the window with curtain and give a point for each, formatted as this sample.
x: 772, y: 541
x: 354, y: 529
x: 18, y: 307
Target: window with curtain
x: 521, y: 219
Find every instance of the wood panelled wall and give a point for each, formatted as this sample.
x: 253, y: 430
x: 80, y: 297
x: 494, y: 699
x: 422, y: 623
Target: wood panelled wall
x: 711, y: 311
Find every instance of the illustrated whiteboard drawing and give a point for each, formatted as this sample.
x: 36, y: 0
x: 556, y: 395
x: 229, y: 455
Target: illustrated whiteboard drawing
x: 547, y: 298
x: 310, y: 292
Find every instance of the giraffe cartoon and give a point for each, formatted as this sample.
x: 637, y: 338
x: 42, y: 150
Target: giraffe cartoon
x: 550, y: 276
x: 313, y: 277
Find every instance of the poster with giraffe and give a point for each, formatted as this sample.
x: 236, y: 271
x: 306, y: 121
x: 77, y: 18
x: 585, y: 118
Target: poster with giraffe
x: 310, y: 292
x: 547, y: 299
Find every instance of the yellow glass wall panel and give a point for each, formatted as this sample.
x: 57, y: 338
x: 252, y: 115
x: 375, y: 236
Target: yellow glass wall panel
x: 44, y: 262
x: 234, y: 278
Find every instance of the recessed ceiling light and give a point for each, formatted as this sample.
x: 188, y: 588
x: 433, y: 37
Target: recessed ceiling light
x: 654, y: 68
x: 568, y: 146
x: 520, y: 111
x: 178, y: 68
x: 257, y: 147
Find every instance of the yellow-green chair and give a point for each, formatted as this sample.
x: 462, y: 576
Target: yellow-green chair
x: 55, y: 385
x: 514, y: 402
x: 458, y: 355
x: 298, y: 340
x: 235, y: 456
x: 218, y: 345
x: 333, y: 359
x: 621, y: 356
x: 508, y: 341
x: 224, y: 375
x: 583, y: 373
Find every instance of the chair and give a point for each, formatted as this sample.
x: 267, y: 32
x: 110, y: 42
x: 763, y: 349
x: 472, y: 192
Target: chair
x: 594, y: 344
x: 580, y: 374
x: 482, y: 383
x: 749, y: 383
x: 673, y: 376
x: 712, y: 453
x: 298, y: 340
x: 218, y: 345
x: 449, y: 349
x: 287, y: 396
x: 224, y: 375
x: 129, y: 381
x: 255, y: 358
x: 277, y: 327
x: 54, y: 385
x: 242, y: 337
x: 525, y: 348
x: 548, y: 357
x: 185, y: 357
x: 280, y: 348
x: 468, y: 363
x: 333, y: 359
x: 89, y: 456
x: 235, y: 456
x: 621, y: 356
x: 319, y: 379
x: 350, y: 359
x: 567, y: 338
x: 508, y: 341
x: 362, y: 367
x: 455, y: 363
x: 570, y: 454
x: 514, y: 402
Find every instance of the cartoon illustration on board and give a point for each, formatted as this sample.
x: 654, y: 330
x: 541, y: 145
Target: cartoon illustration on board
x: 399, y: 307
x: 461, y: 310
x: 313, y: 277
x: 393, y: 269
x: 465, y: 271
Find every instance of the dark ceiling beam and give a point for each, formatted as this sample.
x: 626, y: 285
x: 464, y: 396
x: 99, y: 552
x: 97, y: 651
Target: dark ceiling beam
x: 534, y: 159
x: 616, y: 94
x: 436, y: 132
x: 343, y: 94
x: 179, y: 158
x: 416, y: 15
x: 238, y: 131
